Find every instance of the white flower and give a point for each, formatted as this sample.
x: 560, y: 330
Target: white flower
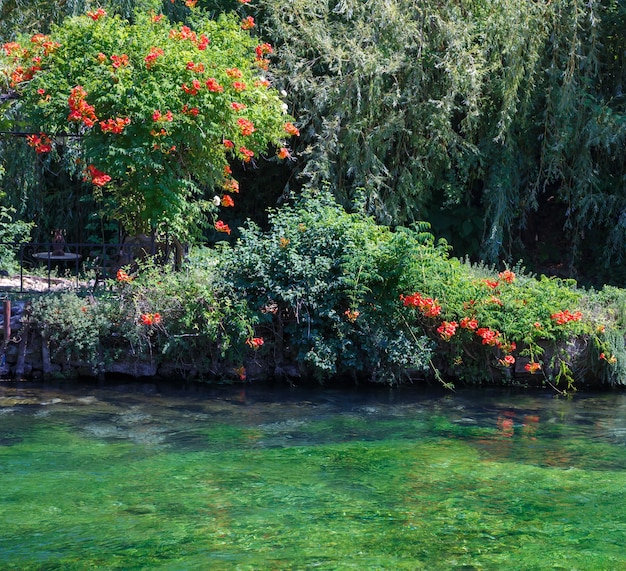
x: 217, y: 200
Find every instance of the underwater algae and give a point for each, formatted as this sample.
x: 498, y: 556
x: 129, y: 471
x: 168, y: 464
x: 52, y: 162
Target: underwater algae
x: 170, y: 485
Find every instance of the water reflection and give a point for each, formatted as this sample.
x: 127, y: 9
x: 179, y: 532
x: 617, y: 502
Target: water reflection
x: 523, y: 425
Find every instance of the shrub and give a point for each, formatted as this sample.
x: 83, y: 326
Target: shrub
x: 200, y: 322
x: 73, y: 327
x: 488, y: 324
x: 325, y: 284
x: 341, y: 296
x: 155, y: 315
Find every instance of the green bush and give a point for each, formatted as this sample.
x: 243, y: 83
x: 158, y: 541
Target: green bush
x: 342, y: 297
x: 154, y: 315
x: 72, y: 326
x: 488, y: 324
x: 326, y: 285
x: 200, y: 323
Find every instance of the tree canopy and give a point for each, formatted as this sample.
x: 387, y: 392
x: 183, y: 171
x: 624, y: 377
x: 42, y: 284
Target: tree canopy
x: 149, y: 113
x: 501, y: 123
x: 470, y: 114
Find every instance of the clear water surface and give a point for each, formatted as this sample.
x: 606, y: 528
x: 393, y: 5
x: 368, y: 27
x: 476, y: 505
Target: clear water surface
x: 145, y: 477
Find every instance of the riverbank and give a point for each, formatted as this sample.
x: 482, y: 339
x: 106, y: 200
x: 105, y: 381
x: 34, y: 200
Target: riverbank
x: 27, y: 357
x: 324, y: 295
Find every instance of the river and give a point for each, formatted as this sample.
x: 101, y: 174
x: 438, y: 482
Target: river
x: 155, y: 477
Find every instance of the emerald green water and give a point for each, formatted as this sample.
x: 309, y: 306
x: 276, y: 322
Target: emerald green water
x: 141, y: 477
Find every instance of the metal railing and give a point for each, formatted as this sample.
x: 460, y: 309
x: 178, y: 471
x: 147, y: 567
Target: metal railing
x: 71, y: 265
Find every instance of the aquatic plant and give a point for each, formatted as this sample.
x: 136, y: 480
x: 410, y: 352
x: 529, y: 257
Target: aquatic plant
x: 126, y: 481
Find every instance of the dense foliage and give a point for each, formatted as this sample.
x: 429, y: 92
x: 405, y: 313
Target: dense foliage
x: 491, y: 120
x: 12, y: 230
x: 154, y: 316
x: 332, y: 295
x: 326, y: 283
x: 499, y: 123
x: 344, y: 294
x: 150, y: 114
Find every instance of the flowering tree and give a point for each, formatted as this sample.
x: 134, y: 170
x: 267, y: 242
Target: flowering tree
x: 149, y: 114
